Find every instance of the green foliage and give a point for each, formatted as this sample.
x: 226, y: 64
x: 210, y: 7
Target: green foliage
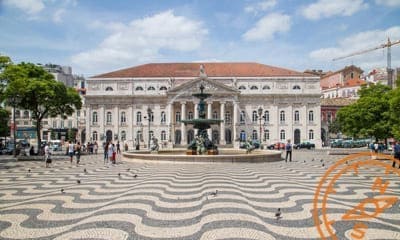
x: 4, y: 118
x: 36, y: 90
x: 334, y: 126
x: 371, y: 115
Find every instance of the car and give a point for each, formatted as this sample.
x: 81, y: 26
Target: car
x: 277, y: 145
x: 9, y: 150
x: 307, y: 145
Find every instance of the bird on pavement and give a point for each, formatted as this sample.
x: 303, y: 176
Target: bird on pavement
x: 84, y: 170
x: 78, y: 181
x: 313, y: 159
x: 214, y: 193
x: 278, y: 214
x: 29, y: 170
x: 119, y: 174
x: 323, y: 164
x: 128, y: 169
x: 135, y: 176
x: 62, y: 190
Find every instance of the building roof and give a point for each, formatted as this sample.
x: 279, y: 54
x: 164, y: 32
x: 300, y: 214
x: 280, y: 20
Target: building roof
x: 217, y: 69
x: 354, y: 82
x: 337, y: 101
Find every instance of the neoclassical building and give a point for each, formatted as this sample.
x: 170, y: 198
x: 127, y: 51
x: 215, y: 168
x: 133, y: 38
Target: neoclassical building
x: 269, y: 104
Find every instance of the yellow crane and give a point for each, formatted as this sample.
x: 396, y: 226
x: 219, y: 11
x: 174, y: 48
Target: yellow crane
x: 387, y: 45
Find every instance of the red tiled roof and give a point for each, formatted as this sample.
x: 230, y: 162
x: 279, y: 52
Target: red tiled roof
x: 355, y: 82
x: 218, y: 69
x: 337, y: 101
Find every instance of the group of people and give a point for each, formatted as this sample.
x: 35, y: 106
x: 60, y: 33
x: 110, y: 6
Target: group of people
x: 91, y: 147
x: 110, y: 152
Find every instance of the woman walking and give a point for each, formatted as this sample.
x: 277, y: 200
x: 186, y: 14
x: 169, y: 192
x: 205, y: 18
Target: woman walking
x: 78, y: 153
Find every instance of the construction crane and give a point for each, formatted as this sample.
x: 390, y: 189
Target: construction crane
x: 387, y: 45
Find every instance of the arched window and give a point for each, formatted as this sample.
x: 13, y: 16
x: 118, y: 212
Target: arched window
x: 177, y: 116
x: 26, y: 114
x: 151, y: 88
x: 109, y: 118
x: 266, y: 87
x: 163, y: 117
x: 94, y: 117
x: 311, y: 116
x: 94, y: 136
x: 138, y: 117
x: 242, y: 87
x: 17, y: 114
x: 311, y: 134
x: 139, y: 88
x: 296, y: 87
x: 296, y: 116
x: 215, y: 115
x: 283, y: 135
x: 266, y: 135
x: 242, y: 135
x: 163, y: 136
x: 282, y: 116
x: 254, y: 135
x: 55, y: 124
x: 190, y: 115
x: 163, y: 88
x: 123, y: 117
x: 266, y: 116
x: 109, y: 89
x: 123, y: 135
x: 254, y: 87
x: 254, y: 116
x: 228, y: 117
x: 242, y: 117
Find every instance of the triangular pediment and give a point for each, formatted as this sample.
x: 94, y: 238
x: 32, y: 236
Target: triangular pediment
x: 210, y: 86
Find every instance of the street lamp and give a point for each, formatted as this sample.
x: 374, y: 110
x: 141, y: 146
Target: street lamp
x: 13, y: 102
x: 149, y: 113
x: 260, y: 111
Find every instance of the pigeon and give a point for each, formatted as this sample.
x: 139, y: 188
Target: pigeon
x: 84, y: 170
x: 135, y: 176
x: 128, y: 169
x: 278, y: 214
x: 313, y: 159
x: 304, y: 161
x: 214, y: 193
x: 29, y: 170
x: 62, y: 190
x: 119, y: 174
x: 78, y: 181
x: 321, y: 160
x: 323, y: 164
x: 347, y: 162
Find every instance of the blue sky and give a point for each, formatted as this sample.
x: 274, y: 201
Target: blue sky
x: 101, y: 36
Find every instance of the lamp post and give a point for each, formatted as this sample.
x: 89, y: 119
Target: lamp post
x: 260, y: 111
x: 13, y: 102
x: 149, y: 112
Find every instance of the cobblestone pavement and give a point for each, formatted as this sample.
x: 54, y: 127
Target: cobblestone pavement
x: 139, y: 200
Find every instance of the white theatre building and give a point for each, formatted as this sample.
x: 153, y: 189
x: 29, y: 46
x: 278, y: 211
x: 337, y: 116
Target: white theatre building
x: 117, y: 104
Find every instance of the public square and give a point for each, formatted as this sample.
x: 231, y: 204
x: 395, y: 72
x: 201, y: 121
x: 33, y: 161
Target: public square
x: 170, y: 200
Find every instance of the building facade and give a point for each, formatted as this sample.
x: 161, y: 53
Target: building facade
x: 256, y: 101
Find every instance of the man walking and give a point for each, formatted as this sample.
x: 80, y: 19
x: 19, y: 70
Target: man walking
x: 396, y: 151
x: 288, y: 148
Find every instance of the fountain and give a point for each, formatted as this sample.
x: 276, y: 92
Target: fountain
x: 202, y: 149
x: 202, y: 144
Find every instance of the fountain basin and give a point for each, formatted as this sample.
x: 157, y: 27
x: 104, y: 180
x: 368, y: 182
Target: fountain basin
x: 225, y: 155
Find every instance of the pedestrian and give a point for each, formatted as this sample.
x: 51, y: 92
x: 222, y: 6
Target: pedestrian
x: 396, y: 153
x: 288, y: 148
x: 114, y: 155
x: 96, y: 147
x: 118, y: 147
x: 137, y: 145
x: 71, y: 150
x: 110, y: 151
x: 78, y: 152
x: 47, y: 158
x: 105, y: 148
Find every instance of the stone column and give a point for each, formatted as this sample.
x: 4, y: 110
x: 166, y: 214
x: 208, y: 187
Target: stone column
x: 102, y: 122
x: 116, y: 122
x: 222, y: 125
x: 130, y: 122
x: 170, y: 122
x: 183, y: 127
x: 234, y: 125
x: 209, y: 116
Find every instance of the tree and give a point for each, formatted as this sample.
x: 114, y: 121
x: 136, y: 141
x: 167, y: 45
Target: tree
x: 37, y: 91
x: 4, y: 118
x: 4, y: 114
x: 370, y: 115
x: 394, y: 104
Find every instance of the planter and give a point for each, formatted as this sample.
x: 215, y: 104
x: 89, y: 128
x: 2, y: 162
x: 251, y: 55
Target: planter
x: 191, y: 152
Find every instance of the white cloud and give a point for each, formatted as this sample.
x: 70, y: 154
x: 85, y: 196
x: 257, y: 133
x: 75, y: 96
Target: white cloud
x: 143, y: 40
x: 389, y: 3
x: 360, y: 42
x: 329, y: 8
x: 30, y: 7
x: 260, y: 6
x: 57, y: 16
x: 268, y: 26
